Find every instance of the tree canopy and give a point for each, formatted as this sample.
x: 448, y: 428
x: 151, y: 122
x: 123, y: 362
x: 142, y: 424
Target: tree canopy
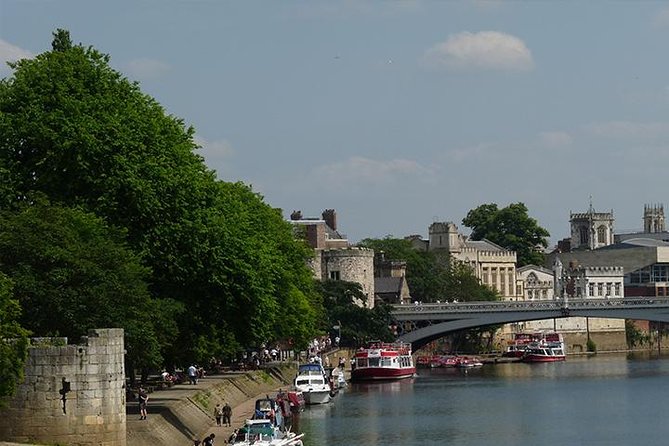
x: 13, y: 341
x: 357, y: 325
x: 510, y: 227
x: 80, y: 134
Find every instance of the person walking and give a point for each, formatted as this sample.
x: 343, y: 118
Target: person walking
x: 192, y: 374
x: 227, y: 415
x: 218, y: 414
x: 143, y: 401
x: 209, y: 441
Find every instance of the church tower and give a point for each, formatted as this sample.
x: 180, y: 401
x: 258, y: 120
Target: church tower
x: 653, y: 218
x: 591, y: 230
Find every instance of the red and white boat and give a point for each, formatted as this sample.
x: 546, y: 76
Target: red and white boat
x: 548, y: 349
x: 382, y: 360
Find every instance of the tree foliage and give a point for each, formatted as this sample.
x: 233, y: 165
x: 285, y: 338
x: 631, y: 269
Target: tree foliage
x: 78, y: 132
x: 357, y: 325
x: 510, y: 227
x: 72, y: 273
x: 13, y: 341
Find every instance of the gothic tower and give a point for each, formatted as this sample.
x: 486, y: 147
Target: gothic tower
x: 653, y: 218
x: 591, y: 230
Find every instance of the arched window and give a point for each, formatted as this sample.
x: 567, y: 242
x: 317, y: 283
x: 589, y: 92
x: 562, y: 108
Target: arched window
x: 583, y: 232
x: 601, y: 234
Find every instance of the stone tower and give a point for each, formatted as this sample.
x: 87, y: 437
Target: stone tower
x: 653, y: 218
x: 591, y: 230
x: 444, y: 235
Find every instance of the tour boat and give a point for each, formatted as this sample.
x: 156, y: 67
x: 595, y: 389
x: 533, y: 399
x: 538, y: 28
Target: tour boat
x: 549, y: 349
x: 314, y: 384
x: 383, y: 361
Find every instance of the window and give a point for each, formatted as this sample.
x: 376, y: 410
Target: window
x: 608, y: 288
x: 334, y: 275
x: 601, y: 234
x: 591, y: 289
x: 583, y: 232
x: 600, y: 289
x: 617, y: 288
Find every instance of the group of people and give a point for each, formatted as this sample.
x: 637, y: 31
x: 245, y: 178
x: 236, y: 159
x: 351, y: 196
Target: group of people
x: 223, y: 415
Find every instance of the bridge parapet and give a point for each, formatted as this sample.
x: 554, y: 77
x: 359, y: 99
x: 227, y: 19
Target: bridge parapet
x: 409, y: 312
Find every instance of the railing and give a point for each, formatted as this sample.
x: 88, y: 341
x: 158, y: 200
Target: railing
x: 504, y: 306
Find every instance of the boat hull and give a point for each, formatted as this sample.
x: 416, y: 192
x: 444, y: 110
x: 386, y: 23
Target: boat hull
x: 381, y: 373
x: 541, y: 358
x: 317, y: 397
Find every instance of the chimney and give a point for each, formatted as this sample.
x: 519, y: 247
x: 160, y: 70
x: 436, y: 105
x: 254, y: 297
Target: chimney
x: 330, y: 217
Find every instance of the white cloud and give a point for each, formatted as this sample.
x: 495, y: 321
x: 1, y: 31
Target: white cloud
x: 11, y: 53
x: 145, y: 68
x: 485, y: 50
x: 221, y: 147
x: 364, y: 170
x: 555, y: 139
x: 661, y: 19
x: 630, y: 130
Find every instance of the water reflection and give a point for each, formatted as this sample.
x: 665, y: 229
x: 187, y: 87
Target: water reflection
x: 602, y: 400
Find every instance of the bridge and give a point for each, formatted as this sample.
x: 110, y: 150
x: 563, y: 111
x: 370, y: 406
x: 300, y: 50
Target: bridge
x: 421, y: 324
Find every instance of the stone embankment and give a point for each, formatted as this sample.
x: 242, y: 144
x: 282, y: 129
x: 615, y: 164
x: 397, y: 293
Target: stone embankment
x: 185, y: 412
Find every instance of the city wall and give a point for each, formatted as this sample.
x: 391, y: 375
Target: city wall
x: 71, y: 394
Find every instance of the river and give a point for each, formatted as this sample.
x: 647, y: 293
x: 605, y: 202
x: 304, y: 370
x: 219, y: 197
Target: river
x: 601, y: 400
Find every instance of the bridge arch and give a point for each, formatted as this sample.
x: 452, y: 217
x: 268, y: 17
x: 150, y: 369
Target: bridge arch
x: 433, y: 321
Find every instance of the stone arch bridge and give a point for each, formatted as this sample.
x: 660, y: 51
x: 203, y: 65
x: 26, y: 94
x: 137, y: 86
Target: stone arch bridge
x: 421, y: 324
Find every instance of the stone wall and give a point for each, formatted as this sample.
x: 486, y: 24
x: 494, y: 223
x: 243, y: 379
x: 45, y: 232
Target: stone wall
x: 352, y: 265
x: 92, y: 412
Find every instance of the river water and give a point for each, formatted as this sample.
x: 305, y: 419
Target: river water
x: 602, y: 400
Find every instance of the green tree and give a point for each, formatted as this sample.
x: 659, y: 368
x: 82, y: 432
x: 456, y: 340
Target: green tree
x: 72, y: 272
x: 357, y: 324
x: 77, y: 131
x: 13, y: 341
x: 510, y: 227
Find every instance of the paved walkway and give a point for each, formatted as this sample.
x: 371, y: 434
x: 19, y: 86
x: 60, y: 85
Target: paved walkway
x: 160, y: 401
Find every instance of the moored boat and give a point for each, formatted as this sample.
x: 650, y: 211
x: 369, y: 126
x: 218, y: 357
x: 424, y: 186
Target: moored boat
x: 383, y: 361
x: 314, y: 384
x: 549, y: 349
x: 264, y: 433
x: 465, y: 362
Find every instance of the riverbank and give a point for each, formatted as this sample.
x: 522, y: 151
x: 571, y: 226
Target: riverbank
x: 185, y: 412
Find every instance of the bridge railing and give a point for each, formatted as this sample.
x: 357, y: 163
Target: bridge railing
x: 547, y: 305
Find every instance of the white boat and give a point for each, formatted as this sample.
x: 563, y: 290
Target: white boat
x: 263, y: 433
x: 314, y: 384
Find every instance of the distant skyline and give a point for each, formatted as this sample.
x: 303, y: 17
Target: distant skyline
x: 398, y: 113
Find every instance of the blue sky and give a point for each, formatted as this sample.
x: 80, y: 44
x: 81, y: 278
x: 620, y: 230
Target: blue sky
x: 397, y: 114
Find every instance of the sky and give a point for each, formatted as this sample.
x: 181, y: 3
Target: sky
x: 398, y: 113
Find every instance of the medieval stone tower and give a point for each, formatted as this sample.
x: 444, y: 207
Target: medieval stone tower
x: 653, y: 218
x: 591, y: 230
x: 72, y: 394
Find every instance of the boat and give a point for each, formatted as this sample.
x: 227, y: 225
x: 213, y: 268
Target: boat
x: 465, y: 362
x: 263, y: 433
x: 516, y: 347
x: 314, y: 383
x: 550, y: 348
x: 383, y: 361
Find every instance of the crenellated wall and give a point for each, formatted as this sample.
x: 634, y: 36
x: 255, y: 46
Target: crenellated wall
x: 92, y: 412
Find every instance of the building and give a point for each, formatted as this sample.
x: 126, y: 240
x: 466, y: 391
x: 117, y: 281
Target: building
x: 390, y: 284
x: 335, y: 258
x: 591, y: 230
x: 653, y: 226
x: 492, y: 264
